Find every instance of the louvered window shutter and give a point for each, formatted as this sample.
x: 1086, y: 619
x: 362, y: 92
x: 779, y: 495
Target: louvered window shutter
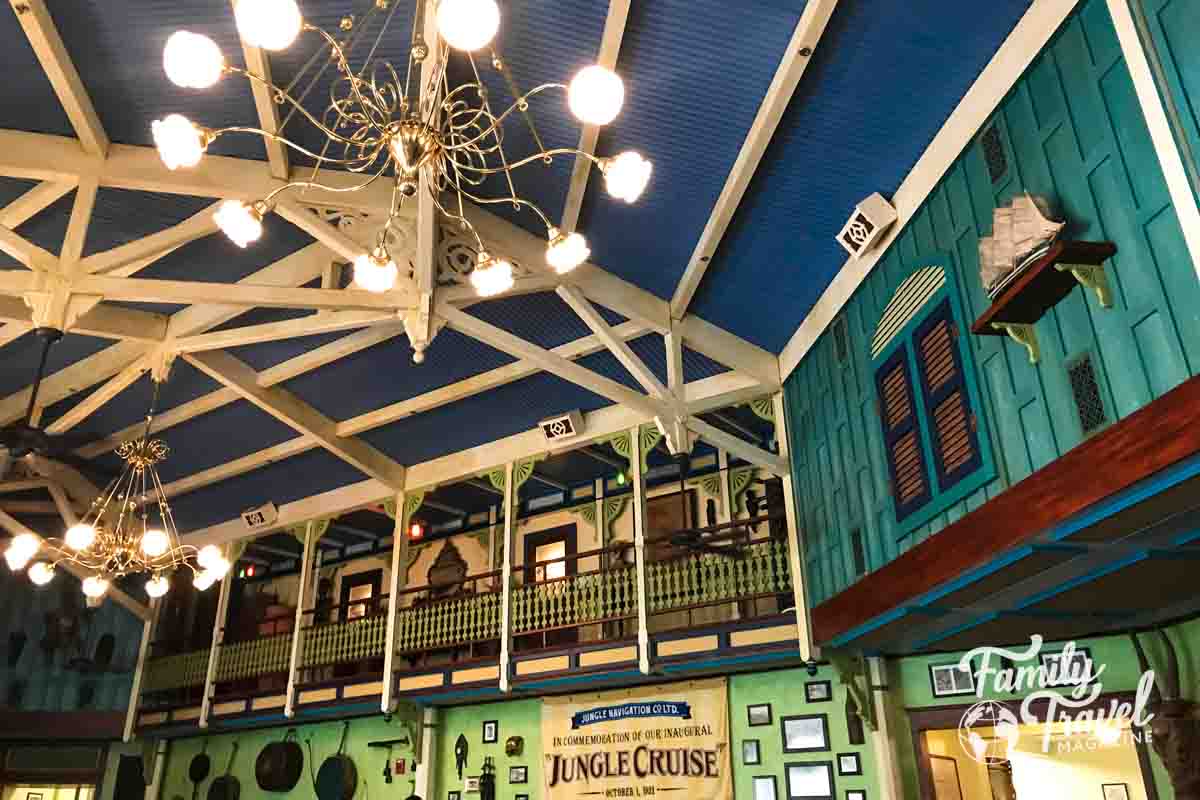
x: 902, y: 434
x: 947, y: 406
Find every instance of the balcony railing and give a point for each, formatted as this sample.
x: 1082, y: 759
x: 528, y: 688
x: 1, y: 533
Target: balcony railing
x: 732, y: 574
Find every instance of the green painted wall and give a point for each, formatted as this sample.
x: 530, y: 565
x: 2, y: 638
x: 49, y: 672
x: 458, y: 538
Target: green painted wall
x: 517, y: 718
x: 324, y: 738
x: 1073, y: 132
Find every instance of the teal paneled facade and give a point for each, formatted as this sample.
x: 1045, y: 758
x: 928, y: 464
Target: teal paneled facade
x: 1073, y: 132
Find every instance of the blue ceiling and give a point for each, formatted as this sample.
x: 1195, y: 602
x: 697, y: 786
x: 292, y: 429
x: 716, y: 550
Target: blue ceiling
x: 881, y: 83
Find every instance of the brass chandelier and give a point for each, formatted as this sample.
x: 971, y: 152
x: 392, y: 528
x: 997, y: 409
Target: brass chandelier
x: 382, y: 123
x: 129, y: 529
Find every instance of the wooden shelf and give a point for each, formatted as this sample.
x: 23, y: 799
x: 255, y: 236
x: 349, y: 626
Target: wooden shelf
x: 1041, y: 286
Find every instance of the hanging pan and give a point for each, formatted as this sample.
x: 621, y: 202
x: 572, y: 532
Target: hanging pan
x: 338, y: 777
x: 199, y: 767
x: 279, y: 765
x: 226, y: 787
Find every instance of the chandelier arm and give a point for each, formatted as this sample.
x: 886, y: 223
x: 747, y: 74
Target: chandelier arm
x: 318, y: 185
x: 517, y: 201
x: 349, y: 44
x: 343, y: 63
x: 522, y: 103
x: 460, y: 219
x: 497, y: 120
x: 365, y: 162
x: 557, y: 151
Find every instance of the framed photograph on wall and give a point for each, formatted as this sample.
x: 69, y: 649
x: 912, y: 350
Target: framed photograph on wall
x: 758, y: 715
x: 750, y: 752
x: 947, y: 680
x: 805, y: 733
x: 471, y: 785
x: 813, y: 781
x: 453, y: 795
x: 520, y: 797
x: 849, y: 764
x: 491, y: 731
x: 856, y: 794
x: 1112, y: 791
x: 818, y: 691
x: 518, y: 774
x: 764, y: 787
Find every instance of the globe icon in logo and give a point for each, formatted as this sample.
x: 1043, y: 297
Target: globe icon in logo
x: 1005, y: 731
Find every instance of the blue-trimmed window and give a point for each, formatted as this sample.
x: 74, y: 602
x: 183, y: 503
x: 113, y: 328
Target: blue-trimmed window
x: 927, y: 401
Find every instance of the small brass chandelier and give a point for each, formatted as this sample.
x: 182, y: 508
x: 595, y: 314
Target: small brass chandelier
x: 128, y: 530
x: 380, y: 121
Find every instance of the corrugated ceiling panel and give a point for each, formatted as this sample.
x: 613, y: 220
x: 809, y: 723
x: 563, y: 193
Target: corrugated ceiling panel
x: 27, y: 104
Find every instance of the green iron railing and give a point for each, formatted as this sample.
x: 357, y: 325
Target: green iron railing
x: 452, y: 621
x: 710, y: 579
x: 341, y: 642
x: 575, y: 600
x: 250, y: 659
x: 175, y: 671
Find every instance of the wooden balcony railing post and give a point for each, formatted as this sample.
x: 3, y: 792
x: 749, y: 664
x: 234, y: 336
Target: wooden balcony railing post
x: 135, y: 691
x: 726, y: 499
x: 639, y: 547
x: 214, y: 652
x: 795, y: 541
x: 306, y: 570
x: 506, y: 577
x: 397, y: 581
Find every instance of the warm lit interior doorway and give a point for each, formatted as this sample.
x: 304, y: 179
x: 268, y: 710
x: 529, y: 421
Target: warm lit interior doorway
x: 48, y: 792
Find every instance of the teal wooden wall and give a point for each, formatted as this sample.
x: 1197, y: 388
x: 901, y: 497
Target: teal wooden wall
x: 1074, y: 134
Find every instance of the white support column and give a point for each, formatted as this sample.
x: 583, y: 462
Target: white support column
x: 214, y: 653
x: 306, y: 570
x: 491, y: 538
x: 399, y: 565
x: 639, y: 547
x: 598, y: 493
x: 794, y: 538
x: 726, y: 493
x: 882, y: 740
x: 135, y: 691
x: 423, y: 776
x: 1159, y: 123
x: 506, y: 578
x: 161, y: 750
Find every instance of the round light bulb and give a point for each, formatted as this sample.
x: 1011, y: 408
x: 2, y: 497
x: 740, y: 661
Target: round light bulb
x: 180, y: 142
x: 155, y: 543
x: 80, y: 536
x: 375, y: 272
x: 565, y: 253
x: 468, y: 24
x: 203, y: 580
x: 595, y: 95
x: 192, y: 61
x: 157, y: 586
x: 41, y: 573
x: 269, y: 24
x: 219, y: 569
x: 491, y: 276
x: 26, y: 544
x: 626, y: 175
x: 209, y: 554
x: 95, y: 587
x: 16, y: 560
x: 240, y: 222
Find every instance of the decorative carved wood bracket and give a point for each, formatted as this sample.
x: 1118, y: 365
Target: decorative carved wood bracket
x: 853, y: 673
x: 614, y: 507
x: 320, y: 526
x: 650, y: 437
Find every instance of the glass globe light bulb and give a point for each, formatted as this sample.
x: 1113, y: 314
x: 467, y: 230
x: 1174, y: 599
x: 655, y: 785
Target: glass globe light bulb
x: 269, y: 24
x: 595, y: 95
x: 375, y: 271
x: 157, y: 586
x: 80, y: 536
x: 491, y: 276
x: 203, y: 580
x: 26, y: 544
x: 627, y: 175
x: 180, y: 142
x: 240, y: 222
x: 220, y: 569
x: 209, y: 554
x: 155, y: 543
x: 192, y: 61
x: 95, y: 587
x: 15, y: 559
x: 41, y: 573
x: 566, y: 252
x: 468, y: 24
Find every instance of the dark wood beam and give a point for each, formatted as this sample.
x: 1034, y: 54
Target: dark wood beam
x: 1144, y: 443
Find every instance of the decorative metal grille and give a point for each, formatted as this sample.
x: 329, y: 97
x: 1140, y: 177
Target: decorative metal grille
x: 841, y: 340
x: 1086, y: 392
x: 993, y: 152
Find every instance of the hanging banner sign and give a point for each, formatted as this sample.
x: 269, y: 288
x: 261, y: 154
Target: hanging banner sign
x: 670, y: 739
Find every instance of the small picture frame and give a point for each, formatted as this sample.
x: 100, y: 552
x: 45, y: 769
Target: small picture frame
x: 491, y: 731
x: 750, y: 752
x: 764, y: 787
x: 948, y: 680
x: 849, y: 764
x: 33, y: 796
x: 520, y: 797
x: 856, y: 794
x: 518, y: 774
x: 1077, y: 672
x: 453, y: 795
x: 805, y: 733
x: 1111, y: 791
x: 759, y: 714
x: 471, y: 784
x: 818, y: 691
x: 810, y: 781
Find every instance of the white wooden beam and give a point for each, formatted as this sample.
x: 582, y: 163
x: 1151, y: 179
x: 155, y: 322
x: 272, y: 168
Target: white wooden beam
x: 214, y: 651
x: 640, y: 524
x: 30, y: 204
x: 26, y: 252
x: 551, y: 362
x: 48, y: 46
x: 303, y: 218
x: 149, y: 290
x: 791, y: 68
x: 238, y: 466
x: 1024, y: 43
x: 419, y: 323
x: 309, y: 325
x: 797, y: 560
x: 98, y: 398
x: 293, y: 411
x: 615, y: 344
x: 134, y: 256
x: 506, y: 579
x: 306, y: 569
x: 11, y: 331
x: 723, y: 347
x: 268, y: 113
x: 610, y: 49
x: 397, y: 579
x: 139, y: 670
x: 740, y: 448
